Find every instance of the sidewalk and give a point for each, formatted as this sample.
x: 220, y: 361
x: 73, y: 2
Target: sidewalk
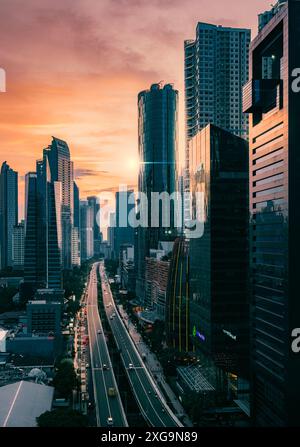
x: 155, y: 368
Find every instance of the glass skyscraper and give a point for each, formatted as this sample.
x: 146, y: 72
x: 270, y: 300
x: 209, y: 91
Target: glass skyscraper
x: 43, y: 229
x: 158, y: 116
x: 61, y: 170
x: 8, y: 213
x: 274, y: 105
x: 218, y: 304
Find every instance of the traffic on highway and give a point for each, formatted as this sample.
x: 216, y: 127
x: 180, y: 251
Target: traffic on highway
x: 151, y: 402
x: 109, y: 407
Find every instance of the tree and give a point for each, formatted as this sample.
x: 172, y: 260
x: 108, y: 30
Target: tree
x: 65, y: 379
x: 62, y: 418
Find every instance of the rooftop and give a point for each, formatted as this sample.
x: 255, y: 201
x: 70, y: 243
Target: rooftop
x: 22, y: 402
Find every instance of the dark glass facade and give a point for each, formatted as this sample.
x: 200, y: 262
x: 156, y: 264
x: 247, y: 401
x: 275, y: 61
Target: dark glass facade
x: 43, y: 234
x: 178, y: 297
x: 8, y: 213
x: 123, y: 231
x: 158, y: 117
x: 219, y: 310
x: 61, y: 170
x: 274, y: 219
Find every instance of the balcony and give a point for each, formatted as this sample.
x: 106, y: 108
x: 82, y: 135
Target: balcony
x: 261, y: 95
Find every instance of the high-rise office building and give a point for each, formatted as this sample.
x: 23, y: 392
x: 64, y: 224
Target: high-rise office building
x: 218, y: 305
x: 216, y: 68
x: 31, y: 233
x: 76, y: 228
x: 43, y: 232
x: 61, y: 169
x: 274, y: 105
x: 8, y: 213
x: 75, y: 247
x: 86, y: 230
x: 123, y: 232
x: 43, y: 318
x: 18, y: 245
x: 158, y: 117
x: 76, y: 206
x: 94, y: 202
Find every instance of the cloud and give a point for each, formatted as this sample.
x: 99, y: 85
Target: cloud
x: 79, y: 173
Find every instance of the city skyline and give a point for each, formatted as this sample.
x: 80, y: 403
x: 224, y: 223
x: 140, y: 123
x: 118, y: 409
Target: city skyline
x: 103, y: 100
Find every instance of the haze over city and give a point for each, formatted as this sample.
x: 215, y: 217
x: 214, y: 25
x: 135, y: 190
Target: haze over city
x: 74, y: 69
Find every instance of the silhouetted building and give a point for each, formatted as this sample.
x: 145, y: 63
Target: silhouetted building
x: 156, y: 282
x: 219, y: 314
x: 274, y: 103
x: 8, y: 213
x: 76, y: 200
x: 18, y: 246
x: 178, y: 298
x: 266, y: 16
x: 43, y: 232
x: 123, y: 231
x: 43, y: 318
x: 94, y: 202
x: 86, y: 230
x: 158, y: 116
x: 61, y: 169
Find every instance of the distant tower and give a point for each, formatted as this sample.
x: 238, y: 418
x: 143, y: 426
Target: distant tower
x: 8, y: 213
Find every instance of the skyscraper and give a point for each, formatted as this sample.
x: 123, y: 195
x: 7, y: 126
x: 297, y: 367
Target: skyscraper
x: 76, y: 228
x: 18, y: 243
x: 218, y: 274
x: 8, y: 213
x: 178, y: 298
x: 61, y: 169
x: 123, y: 232
x: 43, y: 232
x: 158, y: 116
x: 76, y: 206
x: 94, y: 202
x: 216, y: 68
x: 274, y: 105
x: 86, y: 230
x: 31, y: 233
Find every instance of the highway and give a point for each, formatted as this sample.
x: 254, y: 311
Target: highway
x: 109, y: 410
x: 151, y: 402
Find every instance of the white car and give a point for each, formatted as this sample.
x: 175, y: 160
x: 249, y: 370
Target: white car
x: 110, y: 421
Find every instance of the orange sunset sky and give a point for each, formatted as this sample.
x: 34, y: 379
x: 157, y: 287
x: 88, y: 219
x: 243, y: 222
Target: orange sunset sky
x: 74, y: 69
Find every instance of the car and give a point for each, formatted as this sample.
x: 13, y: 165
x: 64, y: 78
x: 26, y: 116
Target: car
x: 130, y: 366
x: 110, y: 421
x: 96, y: 366
x: 105, y: 366
x: 99, y: 332
x: 87, y: 365
x: 112, y: 392
x: 149, y: 392
x: 155, y: 394
x: 163, y: 410
x: 111, y: 317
